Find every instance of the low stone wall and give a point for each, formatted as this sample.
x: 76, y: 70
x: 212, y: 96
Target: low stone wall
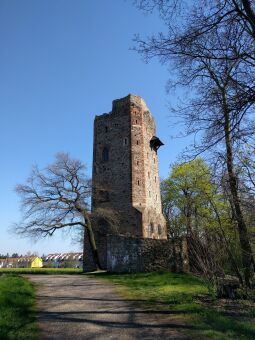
x: 133, y: 254
x: 120, y: 254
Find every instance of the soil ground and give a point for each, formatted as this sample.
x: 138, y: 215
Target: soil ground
x: 78, y: 307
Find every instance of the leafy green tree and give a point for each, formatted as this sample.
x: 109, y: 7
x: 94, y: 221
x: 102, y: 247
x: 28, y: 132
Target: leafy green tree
x: 187, y: 189
x: 15, y: 255
x: 195, y: 207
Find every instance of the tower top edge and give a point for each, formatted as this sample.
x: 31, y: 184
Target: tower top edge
x: 130, y: 99
x: 118, y: 104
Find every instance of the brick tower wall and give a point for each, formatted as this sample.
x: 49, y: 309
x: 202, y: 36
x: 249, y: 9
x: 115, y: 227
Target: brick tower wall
x: 112, y: 177
x: 127, y: 181
x: 125, y: 174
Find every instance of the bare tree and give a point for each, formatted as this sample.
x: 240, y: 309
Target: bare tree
x: 58, y: 197
x: 213, y: 56
x: 195, y: 18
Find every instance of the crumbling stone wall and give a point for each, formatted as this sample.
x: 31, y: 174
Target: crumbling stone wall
x: 134, y: 254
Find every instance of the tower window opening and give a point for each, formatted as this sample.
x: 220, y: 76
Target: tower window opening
x: 137, y: 163
x: 151, y: 228
x: 105, y: 155
x: 138, y: 182
x: 125, y: 141
x: 103, y: 196
x: 159, y: 229
x: 106, y: 128
x: 148, y: 174
x: 136, y: 121
x: 137, y: 142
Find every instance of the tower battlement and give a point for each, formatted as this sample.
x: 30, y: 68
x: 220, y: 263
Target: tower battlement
x: 131, y: 100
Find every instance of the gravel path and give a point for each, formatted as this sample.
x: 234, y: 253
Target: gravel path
x: 77, y: 307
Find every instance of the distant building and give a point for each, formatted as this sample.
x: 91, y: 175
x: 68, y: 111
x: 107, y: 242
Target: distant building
x: 21, y: 262
x: 63, y: 260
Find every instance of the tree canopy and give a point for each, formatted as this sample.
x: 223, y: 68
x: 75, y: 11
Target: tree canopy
x: 58, y: 197
x: 209, y: 46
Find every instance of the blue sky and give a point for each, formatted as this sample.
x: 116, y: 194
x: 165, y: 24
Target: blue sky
x: 61, y: 63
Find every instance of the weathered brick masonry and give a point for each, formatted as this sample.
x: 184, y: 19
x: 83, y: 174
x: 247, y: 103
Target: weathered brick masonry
x: 133, y: 254
x: 126, y: 179
x: 125, y: 168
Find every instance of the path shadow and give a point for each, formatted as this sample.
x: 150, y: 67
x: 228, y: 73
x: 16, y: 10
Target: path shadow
x: 69, y: 298
x: 130, y: 322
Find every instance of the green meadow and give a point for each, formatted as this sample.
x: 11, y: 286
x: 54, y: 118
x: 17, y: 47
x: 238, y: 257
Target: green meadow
x: 17, y: 309
x: 188, y: 297
x: 47, y: 271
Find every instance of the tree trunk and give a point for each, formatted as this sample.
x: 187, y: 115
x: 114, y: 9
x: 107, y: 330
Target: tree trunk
x: 242, y: 228
x: 231, y: 256
x: 188, y: 213
x: 250, y: 15
x: 92, y: 242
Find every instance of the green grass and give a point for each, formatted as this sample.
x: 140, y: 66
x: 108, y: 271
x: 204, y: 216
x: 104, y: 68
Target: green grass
x: 180, y: 292
x: 47, y: 271
x: 17, y: 313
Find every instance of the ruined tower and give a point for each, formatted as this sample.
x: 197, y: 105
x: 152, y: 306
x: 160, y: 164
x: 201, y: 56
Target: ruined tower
x: 125, y: 168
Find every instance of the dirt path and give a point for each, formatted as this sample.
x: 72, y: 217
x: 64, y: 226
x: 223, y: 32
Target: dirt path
x: 77, y: 307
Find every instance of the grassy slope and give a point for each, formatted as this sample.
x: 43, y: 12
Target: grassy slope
x: 41, y: 271
x: 17, y: 315
x: 179, y: 292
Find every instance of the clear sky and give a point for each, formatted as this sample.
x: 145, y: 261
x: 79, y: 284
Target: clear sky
x: 61, y: 63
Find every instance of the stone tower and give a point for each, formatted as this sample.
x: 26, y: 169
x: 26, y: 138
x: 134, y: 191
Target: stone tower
x: 125, y: 168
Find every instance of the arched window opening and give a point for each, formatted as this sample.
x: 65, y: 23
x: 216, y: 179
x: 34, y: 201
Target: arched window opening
x: 103, y: 196
x: 159, y: 229
x: 125, y: 141
x: 151, y: 228
x: 105, y: 155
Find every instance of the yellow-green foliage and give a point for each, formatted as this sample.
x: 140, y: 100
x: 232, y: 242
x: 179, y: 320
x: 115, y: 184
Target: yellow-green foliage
x: 192, y: 200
